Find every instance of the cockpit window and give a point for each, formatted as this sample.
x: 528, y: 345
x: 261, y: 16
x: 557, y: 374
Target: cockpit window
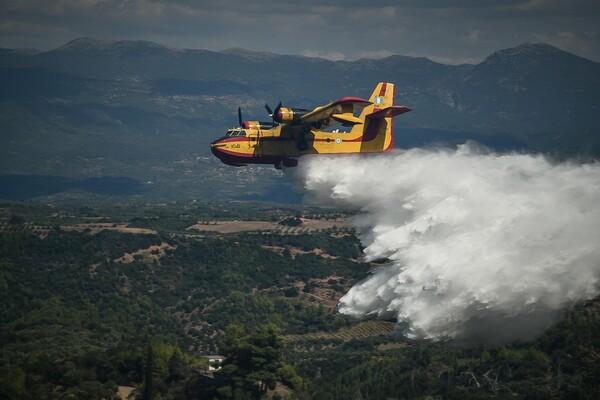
x: 235, y: 132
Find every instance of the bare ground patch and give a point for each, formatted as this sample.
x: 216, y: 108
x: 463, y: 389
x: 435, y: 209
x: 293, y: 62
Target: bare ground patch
x: 149, y: 255
x: 107, y: 226
x: 322, y: 295
x: 281, y: 390
x: 125, y: 392
x: 294, y: 251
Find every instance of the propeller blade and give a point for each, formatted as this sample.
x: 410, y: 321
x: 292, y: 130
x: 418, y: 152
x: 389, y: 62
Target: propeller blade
x: 276, y: 112
x: 240, y: 115
x: 269, y: 110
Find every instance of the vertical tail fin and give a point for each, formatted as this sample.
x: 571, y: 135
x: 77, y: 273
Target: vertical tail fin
x: 377, y: 130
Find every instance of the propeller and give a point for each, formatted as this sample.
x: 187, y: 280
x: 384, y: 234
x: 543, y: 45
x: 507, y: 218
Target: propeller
x: 240, y: 115
x: 272, y: 113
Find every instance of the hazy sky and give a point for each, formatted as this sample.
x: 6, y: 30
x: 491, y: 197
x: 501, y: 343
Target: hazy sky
x: 443, y: 30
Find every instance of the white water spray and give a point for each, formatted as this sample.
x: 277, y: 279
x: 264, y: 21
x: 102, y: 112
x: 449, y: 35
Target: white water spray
x: 483, y: 248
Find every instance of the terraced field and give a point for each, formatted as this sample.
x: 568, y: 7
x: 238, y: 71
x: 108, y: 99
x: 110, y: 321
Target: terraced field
x: 359, y: 331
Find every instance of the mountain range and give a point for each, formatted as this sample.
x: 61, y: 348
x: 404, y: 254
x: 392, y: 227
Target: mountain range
x: 103, y: 107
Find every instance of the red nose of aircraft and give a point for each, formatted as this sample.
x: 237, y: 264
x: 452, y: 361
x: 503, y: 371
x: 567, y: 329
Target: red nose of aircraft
x: 226, y: 158
x: 214, y: 148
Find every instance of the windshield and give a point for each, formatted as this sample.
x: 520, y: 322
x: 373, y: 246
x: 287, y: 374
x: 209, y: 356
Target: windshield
x: 235, y: 132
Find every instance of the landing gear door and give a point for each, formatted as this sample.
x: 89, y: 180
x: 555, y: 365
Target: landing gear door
x: 254, y: 143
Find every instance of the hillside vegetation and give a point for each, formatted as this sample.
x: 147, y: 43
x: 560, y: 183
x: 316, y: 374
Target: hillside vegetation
x: 131, y: 301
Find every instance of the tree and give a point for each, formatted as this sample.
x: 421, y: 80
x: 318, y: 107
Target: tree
x: 12, y: 384
x: 16, y: 219
x: 148, y: 379
x: 254, y: 361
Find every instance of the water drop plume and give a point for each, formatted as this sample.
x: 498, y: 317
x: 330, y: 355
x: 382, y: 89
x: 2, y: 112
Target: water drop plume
x: 483, y: 248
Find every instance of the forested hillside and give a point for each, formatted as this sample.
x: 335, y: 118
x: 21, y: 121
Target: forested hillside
x: 98, y: 302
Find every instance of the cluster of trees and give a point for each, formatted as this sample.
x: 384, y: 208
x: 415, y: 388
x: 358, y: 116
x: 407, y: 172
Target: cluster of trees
x: 291, y: 221
x: 251, y: 309
x: 254, y: 363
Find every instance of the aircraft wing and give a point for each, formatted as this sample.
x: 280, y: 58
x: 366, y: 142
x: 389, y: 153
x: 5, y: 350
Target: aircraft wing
x: 341, y: 111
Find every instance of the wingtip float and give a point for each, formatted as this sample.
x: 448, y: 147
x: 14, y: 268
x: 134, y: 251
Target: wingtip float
x: 294, y: 132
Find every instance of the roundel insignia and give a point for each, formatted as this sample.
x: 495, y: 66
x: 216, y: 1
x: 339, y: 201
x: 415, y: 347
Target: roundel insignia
x: 338, y: 140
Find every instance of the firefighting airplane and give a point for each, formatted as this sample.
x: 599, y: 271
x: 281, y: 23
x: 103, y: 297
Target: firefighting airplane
x: 295, y: 132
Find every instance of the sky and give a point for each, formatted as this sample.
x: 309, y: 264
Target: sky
x: 446, y: 31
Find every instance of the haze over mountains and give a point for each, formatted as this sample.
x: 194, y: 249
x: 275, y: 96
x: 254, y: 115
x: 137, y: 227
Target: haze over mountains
x: 102, y: 107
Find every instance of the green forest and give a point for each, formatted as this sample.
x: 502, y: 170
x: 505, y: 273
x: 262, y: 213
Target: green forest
x: 128, y: 301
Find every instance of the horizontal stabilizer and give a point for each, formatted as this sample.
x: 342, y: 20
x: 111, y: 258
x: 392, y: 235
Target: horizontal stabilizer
x: 389, y: 112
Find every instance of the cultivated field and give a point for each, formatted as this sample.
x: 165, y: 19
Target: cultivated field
x: 308, y: 225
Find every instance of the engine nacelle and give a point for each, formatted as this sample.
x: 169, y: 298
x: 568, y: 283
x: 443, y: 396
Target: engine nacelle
x: 289, y: 115
x: 258, y: 125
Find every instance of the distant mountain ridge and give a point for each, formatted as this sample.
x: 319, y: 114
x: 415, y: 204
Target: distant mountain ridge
x: 98, y: 105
